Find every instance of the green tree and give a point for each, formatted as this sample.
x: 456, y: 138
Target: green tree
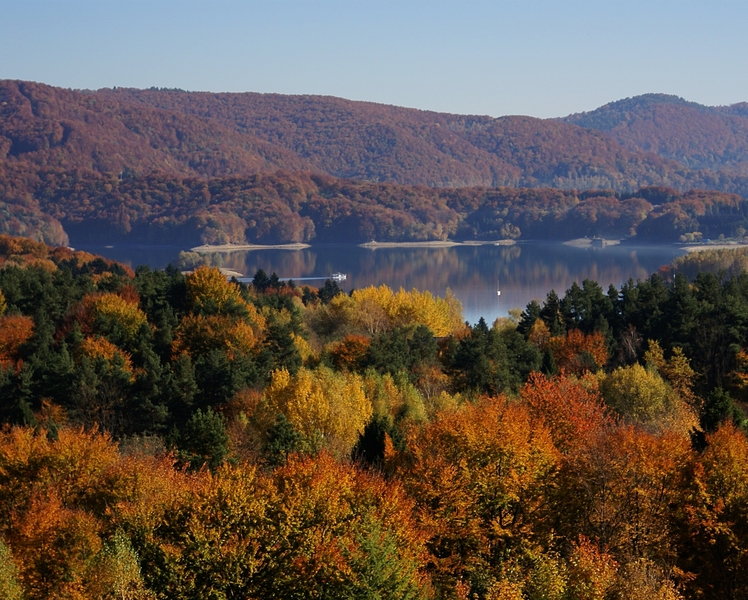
x: 204, y: 440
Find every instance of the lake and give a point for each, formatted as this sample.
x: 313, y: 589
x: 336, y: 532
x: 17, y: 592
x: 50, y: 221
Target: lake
x: 524, y: 271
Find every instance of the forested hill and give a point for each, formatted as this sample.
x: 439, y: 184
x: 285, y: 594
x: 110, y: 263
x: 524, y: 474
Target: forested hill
x: 87, y: 207
x: 218, y: 135
x: 697, y: 136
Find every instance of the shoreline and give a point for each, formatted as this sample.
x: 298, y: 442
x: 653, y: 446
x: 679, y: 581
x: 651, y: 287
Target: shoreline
x: 724, y: 246
x: 436, y: 244
x: 207, y: 248
x: 587, y: 242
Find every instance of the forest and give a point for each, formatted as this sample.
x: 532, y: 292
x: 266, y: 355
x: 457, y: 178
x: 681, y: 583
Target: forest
x: 183, y: 168
x: 61, y: 207
x: 648, y: 140
x: 181, y: 435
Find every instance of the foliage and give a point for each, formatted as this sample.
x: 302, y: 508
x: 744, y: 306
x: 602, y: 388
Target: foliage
x: 329, y: 409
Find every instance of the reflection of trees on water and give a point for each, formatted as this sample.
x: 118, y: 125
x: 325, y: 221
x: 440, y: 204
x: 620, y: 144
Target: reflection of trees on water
x: 524, y: 271
x: 533, y: 266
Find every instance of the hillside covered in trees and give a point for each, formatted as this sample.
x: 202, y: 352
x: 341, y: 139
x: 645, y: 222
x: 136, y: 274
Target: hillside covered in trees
x: 77, y: 207
x: 219, y: 135
x: 697, y: 136
x: 180, y: 435
x: 188, y: 168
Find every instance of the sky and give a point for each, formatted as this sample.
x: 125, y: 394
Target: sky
x: 544, y: 58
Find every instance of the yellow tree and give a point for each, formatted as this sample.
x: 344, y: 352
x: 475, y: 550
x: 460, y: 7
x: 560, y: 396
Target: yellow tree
x: 641, y: 396
x: 328, y: 408
x: 208, y: 291
x: 199, y: 334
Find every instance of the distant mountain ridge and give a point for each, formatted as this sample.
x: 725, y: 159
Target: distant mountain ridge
x: 697, y: 136
x: 195, y: 167
x: 654, y: 139
x: 217, y: 135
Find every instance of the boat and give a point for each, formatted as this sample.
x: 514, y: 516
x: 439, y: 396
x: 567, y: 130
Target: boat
x: 338, y: 276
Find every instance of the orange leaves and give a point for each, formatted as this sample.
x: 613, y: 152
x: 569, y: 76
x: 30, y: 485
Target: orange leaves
x: 592, y: 571
x: 715, y: 516
x: 350, y: 352
x: 53, y: 544
x: 22, y: 249
x: 343, y: 529
x: 101, y: 348
x: 479, y: 475
x: 621, y: 486
x: 15, y: 330
x: 577, y: 353
x: 572, y: 409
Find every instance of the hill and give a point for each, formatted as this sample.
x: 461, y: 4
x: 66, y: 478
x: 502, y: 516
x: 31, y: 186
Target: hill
x: 218, y: 135
x: 193, y: 167
x: 281, y: 207
x: 697, y: 136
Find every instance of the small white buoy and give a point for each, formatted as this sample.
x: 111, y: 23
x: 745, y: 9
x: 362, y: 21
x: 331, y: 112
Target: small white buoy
x: 498, y: 292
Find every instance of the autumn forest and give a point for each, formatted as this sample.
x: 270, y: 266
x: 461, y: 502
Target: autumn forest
x: 171, y: 435
x: 168, y: 434
x: 187, y: 168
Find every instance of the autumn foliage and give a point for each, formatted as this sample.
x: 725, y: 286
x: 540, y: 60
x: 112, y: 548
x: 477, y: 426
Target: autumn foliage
x: 182, y: 436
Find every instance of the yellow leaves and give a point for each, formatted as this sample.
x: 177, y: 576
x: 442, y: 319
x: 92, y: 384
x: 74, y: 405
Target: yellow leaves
x: 539, y: 335
x: 199, y: 334
x: 725, y: 463
x: 105, y: 312
x: 329, y: 409
x: 677, y: 370
x: 209, y: 291
x: 116, y: 308
x: 636, y: 393
x: 377, y: 309
x: 3, y: 303
x: 220, y: 319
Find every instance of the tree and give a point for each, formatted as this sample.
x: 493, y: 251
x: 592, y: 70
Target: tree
x: 479, y: 475
x: 209, y: 293
x: 204, y: 440
x: 637, y: 394
x: 329, y: 409
x: 15, y: 330
x: 10, y: 587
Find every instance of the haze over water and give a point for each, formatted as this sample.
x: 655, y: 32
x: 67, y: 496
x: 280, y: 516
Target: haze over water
x: 524, y: 271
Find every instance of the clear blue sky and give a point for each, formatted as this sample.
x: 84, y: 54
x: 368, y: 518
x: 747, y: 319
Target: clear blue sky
x: 537, y: 57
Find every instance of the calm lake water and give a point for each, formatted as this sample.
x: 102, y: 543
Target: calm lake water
x: 524, y: 271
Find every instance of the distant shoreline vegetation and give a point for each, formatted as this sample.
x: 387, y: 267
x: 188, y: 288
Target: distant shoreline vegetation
x: 301, y: 208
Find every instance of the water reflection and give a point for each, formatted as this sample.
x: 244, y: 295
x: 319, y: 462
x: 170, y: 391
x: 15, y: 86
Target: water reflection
x: 473, y: 273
